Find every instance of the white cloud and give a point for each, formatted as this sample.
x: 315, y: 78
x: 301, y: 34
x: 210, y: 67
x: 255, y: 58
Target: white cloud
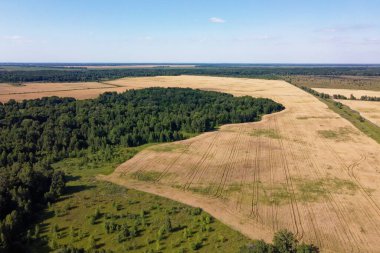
x: 216, y: 20
x: 13, y: 37
x: 16, y: 39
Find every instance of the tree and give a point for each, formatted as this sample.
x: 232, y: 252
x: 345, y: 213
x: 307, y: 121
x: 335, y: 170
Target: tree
x: 284, y: 241
x: 306, y: 248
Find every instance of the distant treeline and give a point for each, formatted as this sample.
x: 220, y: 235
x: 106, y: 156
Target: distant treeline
x: 315, y: 93
x: 352, y: 97
x: 36, y: 133
x: 78, y: 75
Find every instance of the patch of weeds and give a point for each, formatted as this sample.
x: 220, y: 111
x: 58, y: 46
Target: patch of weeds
x: 146, y: 176
x: 305, y: 190
x: 269, y: 133
x: 313, y: 190
x: 166, y: 147
x: 275, y: 194
x: 341, y: 134
x: 235, y: 187
x: 315, y: 117
x: 203, y: 190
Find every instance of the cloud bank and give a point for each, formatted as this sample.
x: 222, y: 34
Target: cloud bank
x: 216, y: 20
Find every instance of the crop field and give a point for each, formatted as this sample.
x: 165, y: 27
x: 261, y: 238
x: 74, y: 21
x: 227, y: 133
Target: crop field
x: 80, y: 90
x: 348, y: 92
x: 368, y: 109
x: 337, y: 82
x: 305, y: 169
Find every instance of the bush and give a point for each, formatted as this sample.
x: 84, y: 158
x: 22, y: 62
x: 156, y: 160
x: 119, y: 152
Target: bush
x: 257, y: 246
x: 196, y: 245
x: 305, y: 248
x: 284, y: 241
x: 196, y: 211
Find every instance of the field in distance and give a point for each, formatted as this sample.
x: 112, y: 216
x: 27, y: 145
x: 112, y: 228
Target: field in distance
x: 356, y: 82
x: 368, y: 109
x: 305, y: 169
x: 131, y: 66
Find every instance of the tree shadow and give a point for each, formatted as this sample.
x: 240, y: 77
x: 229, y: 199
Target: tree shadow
x: 72, y: 178
x: 71, y: 189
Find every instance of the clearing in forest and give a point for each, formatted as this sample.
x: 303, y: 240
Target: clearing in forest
x: 305, y: 169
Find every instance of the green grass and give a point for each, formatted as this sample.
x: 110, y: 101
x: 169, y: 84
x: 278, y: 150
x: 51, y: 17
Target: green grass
x: 167, y: 147
x: 341, y: 134
x: 306, y: 190
x: 146, y: 176
x: 79, y: 218
x: 269, y: 133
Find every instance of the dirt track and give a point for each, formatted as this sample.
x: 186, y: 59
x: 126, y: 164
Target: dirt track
x: 305, y: 169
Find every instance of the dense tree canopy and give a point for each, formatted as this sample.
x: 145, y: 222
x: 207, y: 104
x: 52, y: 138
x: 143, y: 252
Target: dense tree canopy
x: 49, y: 74
x: 36, y: 133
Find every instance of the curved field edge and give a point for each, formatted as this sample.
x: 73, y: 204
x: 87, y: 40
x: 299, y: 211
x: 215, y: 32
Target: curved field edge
x: 300, y: 147
x: 210, y: 205
x: 83, y: 213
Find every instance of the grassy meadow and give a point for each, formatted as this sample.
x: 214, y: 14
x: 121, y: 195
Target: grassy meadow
x: 101, y: 216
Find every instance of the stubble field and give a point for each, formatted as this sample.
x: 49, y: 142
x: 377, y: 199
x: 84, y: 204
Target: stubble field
x: 368, y: 109
x: 348, y: 92
x: 305, y: 169
x: 81, y: 90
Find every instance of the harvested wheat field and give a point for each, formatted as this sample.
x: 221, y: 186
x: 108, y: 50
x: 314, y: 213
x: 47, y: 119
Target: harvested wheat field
x: 368, y: 109
x: 347, y: 93
x: 305, y: 169
x: 81, y: 90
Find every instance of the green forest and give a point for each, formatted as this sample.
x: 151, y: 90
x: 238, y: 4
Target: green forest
x: 34, y: 134
x: 55, y: 74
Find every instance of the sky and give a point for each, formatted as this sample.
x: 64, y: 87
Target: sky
x: 190, y: 31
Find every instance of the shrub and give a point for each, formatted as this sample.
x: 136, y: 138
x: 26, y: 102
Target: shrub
x: 284, y: 241
x: 196, y: 245
x: 196, y: 211
x: 306, y: 248
x: 257, y: 246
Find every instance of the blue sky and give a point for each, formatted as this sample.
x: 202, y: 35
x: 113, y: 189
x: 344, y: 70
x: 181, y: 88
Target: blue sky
x: 239, y: 31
